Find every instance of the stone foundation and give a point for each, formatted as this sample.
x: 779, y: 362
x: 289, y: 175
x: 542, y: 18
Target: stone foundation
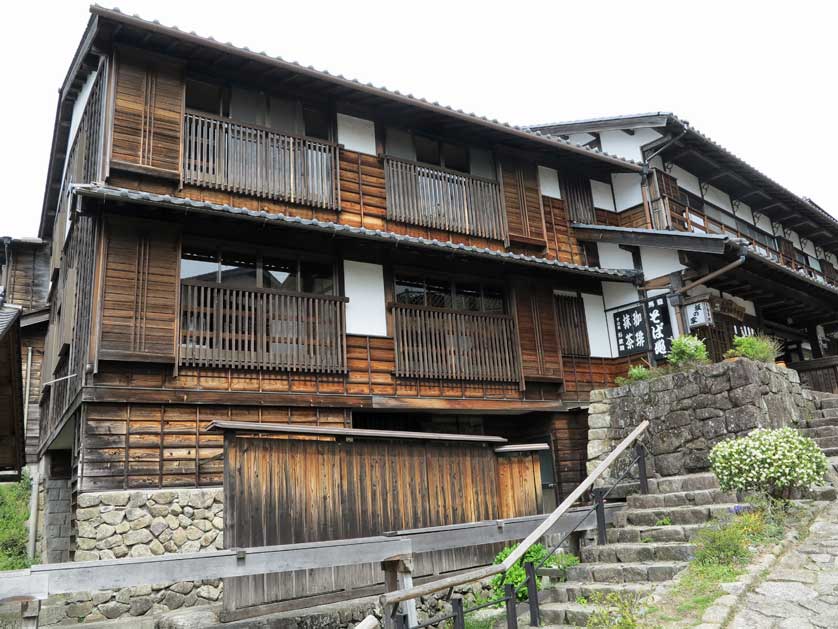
x: 692, y: 411
x: 111, y: 525
x: 55, y: 520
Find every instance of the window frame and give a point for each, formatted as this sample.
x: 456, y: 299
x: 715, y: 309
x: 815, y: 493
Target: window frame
x: 453, y: 280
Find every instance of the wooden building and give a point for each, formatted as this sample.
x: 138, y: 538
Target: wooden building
x: 230, y: 239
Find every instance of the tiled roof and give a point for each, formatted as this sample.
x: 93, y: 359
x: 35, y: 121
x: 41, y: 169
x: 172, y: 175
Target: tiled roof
x: 8, y: 316
x: 123, y: 194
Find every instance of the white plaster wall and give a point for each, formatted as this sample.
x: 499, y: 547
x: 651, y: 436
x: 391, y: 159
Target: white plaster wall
x: 743, y: 211
x: 603, y: 195
x: 596, y: 322
x: 830, y: 257
x: 356, y: 134
x: 627, y: 145
x: 366, y: 311
x: 616, y: 294
x: 764, y: 223
x: 794, y: 238
x: 627, y: 191
x: 657, y: 262
x: 809, y: 248
x: 657, y: 162
x: 548, y: 181
x: 779, y: 231
x: 718, y: 198
x: 612, y: 257
x: 686, y: 180
x: 580, y: 138
x: 744, y: 303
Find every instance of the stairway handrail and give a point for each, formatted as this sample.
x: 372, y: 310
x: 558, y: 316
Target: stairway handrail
x: 397, y: 596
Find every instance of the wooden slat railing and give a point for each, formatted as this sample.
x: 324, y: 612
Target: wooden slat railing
x: 438, y: 343
x: 261, y: 329
x: 443, y: 199
x: 223, y: 154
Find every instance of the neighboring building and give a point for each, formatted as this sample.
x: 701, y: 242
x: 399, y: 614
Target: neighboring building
x: 767, y: 256
x: 236, y: 238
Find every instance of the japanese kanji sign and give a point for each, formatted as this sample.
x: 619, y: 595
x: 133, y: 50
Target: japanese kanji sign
x: 660, y: 327
x: 699, y: 314
x: 644, y: 327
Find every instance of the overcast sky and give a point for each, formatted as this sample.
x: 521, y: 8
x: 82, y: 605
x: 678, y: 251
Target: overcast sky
x: 757, y: 77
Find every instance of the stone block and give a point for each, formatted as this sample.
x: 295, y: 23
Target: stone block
x: 113, y: 609
x: 140, y: 550
x: 113, y: 517
x: 86, y: 555
x: 141, y: 536
x: 143, y: 522
x: 88, y: 500
x: 116, y: 499
x: 173, y: 600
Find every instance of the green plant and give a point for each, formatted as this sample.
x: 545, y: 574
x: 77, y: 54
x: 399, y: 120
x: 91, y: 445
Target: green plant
x: 763, y: 349
x: 687, y: 351
x: 14, y: 511
x: 581, y: 600
x: 614, y: 611
x: 646, y: 540
x: 721, y: 544
x: 516, y: 575
x: 664, y: 521
x: 768, y: 461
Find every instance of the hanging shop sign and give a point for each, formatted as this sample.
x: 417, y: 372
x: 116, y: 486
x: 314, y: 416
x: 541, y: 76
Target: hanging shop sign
x: 643, y: 328
x: 660, y: 327
x: 699, y: 314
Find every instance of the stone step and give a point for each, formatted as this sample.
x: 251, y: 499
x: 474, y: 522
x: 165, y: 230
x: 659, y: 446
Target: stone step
x: 673, y: 515
x: 571, y: 591
x: 631, y: 572
x: 638, y: 552
x: 827, y: 442
x: 680, y: 499
x: 817, y: 432
x: 651, y: 534
x: 820, y: 421
x: 829, y: 403
x: 565, y: 614
x: 830, y: 452
x: 687, y: 482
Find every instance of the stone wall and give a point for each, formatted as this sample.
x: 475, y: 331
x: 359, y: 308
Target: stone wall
x: 692, y: 411
x: 111, y: 525
x: 55, y: 520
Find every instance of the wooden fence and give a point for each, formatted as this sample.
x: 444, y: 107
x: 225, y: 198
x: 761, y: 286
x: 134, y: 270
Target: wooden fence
x: 249, y: 159
x: 443, y: 199
x: 342, y: 483
x: 261, y: 329
x: 437, y: 343
x: 819, y: 374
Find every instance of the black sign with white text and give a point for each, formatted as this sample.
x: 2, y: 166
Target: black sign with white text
x: 643, y: 328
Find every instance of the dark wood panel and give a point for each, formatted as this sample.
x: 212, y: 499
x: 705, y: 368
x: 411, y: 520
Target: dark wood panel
x: 537, y: 330
x: 522, y: 199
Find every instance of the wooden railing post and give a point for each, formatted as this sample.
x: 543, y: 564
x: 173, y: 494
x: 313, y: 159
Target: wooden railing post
x: 511, y: 606
x: 640, y: 451
x: 459, y: 614
x: 599, y: 503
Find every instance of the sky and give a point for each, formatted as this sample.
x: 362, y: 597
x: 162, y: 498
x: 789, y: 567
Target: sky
x: 757, y: 77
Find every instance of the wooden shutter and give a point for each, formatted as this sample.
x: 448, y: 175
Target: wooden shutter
x: 829, y: 271
x: 786, y: 250
x: 577, y: 195
x: 573, y: 327
x: 537, y: 331
x: 148, y: 115
x: 522, y: 198
x: 140, y: 292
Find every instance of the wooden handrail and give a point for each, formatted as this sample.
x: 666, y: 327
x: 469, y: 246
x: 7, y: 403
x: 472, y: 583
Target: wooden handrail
x: 392, y: 598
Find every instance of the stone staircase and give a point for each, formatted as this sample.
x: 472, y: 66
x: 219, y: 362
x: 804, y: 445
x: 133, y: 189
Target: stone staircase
x: 823, y: 427
x: 649, y: 543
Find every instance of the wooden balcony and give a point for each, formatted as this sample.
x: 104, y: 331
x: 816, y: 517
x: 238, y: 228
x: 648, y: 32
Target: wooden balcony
x: 261, y: 329
x: 444, y: 344
x: 226, y: 155
x: 443, y: 199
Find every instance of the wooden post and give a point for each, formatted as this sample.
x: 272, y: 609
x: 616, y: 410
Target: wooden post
x: 398, y: 575
x: 511, y: 606
x: 405, y: 581
x: 532, y: 594
x: 459, y: 614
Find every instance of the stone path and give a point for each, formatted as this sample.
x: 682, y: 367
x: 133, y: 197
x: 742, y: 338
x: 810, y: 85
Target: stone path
x: 801, y: 591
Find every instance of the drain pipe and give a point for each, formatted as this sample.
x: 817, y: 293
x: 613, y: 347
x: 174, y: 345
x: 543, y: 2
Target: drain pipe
x: 711, y: 276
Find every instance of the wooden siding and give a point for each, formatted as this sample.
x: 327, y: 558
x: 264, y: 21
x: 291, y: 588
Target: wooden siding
x: 561, y: 243
x: 167, y: 445
x: 32, y: 340
x: 569, y: 443
x: 573, y: 330
x: 289, y: 490
x: 577, y: 195
x: 583, y: 374
x: 28, y: 275
x: 139, y: 292
x: 537, y: 330
x: 519, y: 484
x: 147, y: 114
x: 633, y: 217
x: 522, y: 199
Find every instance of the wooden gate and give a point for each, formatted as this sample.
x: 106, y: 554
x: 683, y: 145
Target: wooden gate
x: 318, y: 484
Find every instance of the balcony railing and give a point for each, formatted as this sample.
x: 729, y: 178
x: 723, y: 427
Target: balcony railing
x: 248, y: 159
x: 261, y: 329
x: 443, y: 199
x: 437, y: 343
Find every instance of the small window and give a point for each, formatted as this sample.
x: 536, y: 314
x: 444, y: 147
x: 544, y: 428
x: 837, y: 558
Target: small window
x: 204, y: 97
x: 467, y: 297
x: 439, y: 293
x: 591, y: 252
x: 411, y: 292
x: 455, y: 157
x: 427, y: 150
x: 317, y: 123
x: 199, y: 266
x: 317, y: 278
x: 462, y: 296
x: 279, y: 274
x: 493, y: 300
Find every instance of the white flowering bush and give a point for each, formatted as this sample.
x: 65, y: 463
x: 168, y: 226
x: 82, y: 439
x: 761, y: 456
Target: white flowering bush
x: 769, y: 461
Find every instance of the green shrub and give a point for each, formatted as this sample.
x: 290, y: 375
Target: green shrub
x: 664, y: 521
x: 687, y: 351
x: 14, y: 511
x: 614, y: 610
x: 763, y: 349
x: 516, y: 575
x: 724, y: 544
x: 768, y: 461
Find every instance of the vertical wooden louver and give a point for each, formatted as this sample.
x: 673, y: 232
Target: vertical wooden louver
x: 829, y: 271
x: 140, y: 289
x: 577, y: 195
x: 148, y: 115
x: 541, y: 356
x: 522, y: 199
